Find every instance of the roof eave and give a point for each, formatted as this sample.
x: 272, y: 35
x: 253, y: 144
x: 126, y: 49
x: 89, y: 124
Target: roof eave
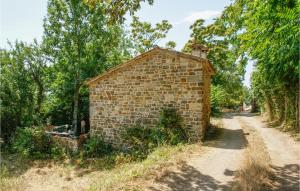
x: 111, y: 70
x: 95, y: 79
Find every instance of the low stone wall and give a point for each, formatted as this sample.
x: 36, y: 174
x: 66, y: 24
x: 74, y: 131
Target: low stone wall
x: 72, y: 144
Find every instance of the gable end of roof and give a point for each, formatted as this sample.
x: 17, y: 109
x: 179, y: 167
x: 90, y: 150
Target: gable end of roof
x: 143, y: 55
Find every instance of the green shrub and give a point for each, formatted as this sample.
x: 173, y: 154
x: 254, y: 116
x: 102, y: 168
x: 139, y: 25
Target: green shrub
x: 96, y: 147
x: 32, y: 142
x: 169, y: 130
x: 59, y: 152
x: 140, y: 141
x: 139, y: 136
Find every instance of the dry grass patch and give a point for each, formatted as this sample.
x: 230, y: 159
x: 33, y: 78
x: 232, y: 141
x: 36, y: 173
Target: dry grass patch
x: 49, y: 175
x: 8, y: 183
x: 9, y: 173
x: 256, y: 173
x: 125, y: 174
x: 138, y: 175
x: 132, y: 176
x: 12, y: 184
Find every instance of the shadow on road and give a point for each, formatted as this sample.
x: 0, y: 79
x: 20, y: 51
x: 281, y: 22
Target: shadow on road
x: 189, y: 179
x: 287, y: 177
x: 229, y: 139
x: 243, y: 114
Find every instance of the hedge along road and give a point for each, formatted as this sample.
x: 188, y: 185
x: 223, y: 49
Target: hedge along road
x: 214, y: 169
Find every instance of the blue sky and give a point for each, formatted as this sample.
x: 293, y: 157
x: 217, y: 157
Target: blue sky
x: 23, y: 20
x: 181, y: 14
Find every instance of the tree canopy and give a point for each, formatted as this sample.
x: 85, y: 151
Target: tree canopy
x: 145, y: 36
x: 44, y: 82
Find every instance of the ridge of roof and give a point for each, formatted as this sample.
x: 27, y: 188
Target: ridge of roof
x: 155, y: 49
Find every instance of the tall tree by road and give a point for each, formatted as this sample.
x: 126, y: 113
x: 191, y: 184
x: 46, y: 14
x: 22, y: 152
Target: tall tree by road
x: 81, y: 45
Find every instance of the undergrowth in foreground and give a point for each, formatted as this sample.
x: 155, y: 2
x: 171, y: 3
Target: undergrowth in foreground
x: 8, y: 180
x: 255, y: 173
x: 120, y: 177
x: 147, y: 148
x: 13, y: 184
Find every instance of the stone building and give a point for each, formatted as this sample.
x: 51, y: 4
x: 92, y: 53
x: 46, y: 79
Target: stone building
x: 135, y: 92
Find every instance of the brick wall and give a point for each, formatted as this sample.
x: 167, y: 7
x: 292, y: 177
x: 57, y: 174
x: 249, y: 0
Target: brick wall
x: 135, y: 94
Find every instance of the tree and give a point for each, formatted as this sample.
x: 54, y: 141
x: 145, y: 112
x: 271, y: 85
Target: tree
x: 11, y: 85
x: 267, y: 32
x: 145, y: 36
x: 81, y: 45
x: 23, y: 72
x: 35, y: 62
x: 227, y: 87
x: 116, y: 9
x: 170, y: 45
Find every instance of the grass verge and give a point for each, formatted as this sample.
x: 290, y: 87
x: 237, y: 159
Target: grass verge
x: 11, y: 184
x: 97, y: 175
x: 8, y: 183
x: 123, y: 177
x: 255, y: 173
x: 286, y: 128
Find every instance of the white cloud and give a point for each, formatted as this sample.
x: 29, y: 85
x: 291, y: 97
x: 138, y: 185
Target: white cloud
x: 207, y: 14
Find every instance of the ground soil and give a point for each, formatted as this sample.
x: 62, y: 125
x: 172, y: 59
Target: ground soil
x: 283, y: 151
x: 212, y: 170
x: 215, y: 169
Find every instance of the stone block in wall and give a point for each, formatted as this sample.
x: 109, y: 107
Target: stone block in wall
x: 136, y: 94
x: 195, y: 106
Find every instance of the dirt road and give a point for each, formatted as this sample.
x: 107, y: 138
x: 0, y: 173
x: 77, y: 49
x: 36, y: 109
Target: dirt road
x: 283, y: 151
x: 214, y: 169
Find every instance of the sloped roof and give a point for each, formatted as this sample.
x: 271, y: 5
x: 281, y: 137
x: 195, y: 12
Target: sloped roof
x: 143, y: 55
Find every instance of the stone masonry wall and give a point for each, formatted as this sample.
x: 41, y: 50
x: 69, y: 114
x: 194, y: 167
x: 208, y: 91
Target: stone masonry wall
x: 206, y: 100
x: 136, y: 94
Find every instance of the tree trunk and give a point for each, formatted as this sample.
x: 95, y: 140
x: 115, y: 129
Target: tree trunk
x: 286, y: 110
x: 40, y: 97
x: 75, y: 124
x: 281, y: 110
x: 269, y: 108
x: 279, y: 106
x: 297, y: 105
x: 253, y: 106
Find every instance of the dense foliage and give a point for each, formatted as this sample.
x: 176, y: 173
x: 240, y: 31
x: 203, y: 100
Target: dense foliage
x: 23, y: 83
x: 170, y: 128
x: 45, y: 82
x: 80, y: 45
x: 145, y: 36
x: 268, y: 32
x: 118, y: 9
x: 96, y: 147
x: 34, y: 143
x: 168, y: 131
x: 227, y: 87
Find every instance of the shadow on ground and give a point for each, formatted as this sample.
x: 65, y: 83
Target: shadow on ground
x: 229, y: 139
x: 243, y: 114
x: 13, y: 165
x: 189, y: 179
x: 287, y: 177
